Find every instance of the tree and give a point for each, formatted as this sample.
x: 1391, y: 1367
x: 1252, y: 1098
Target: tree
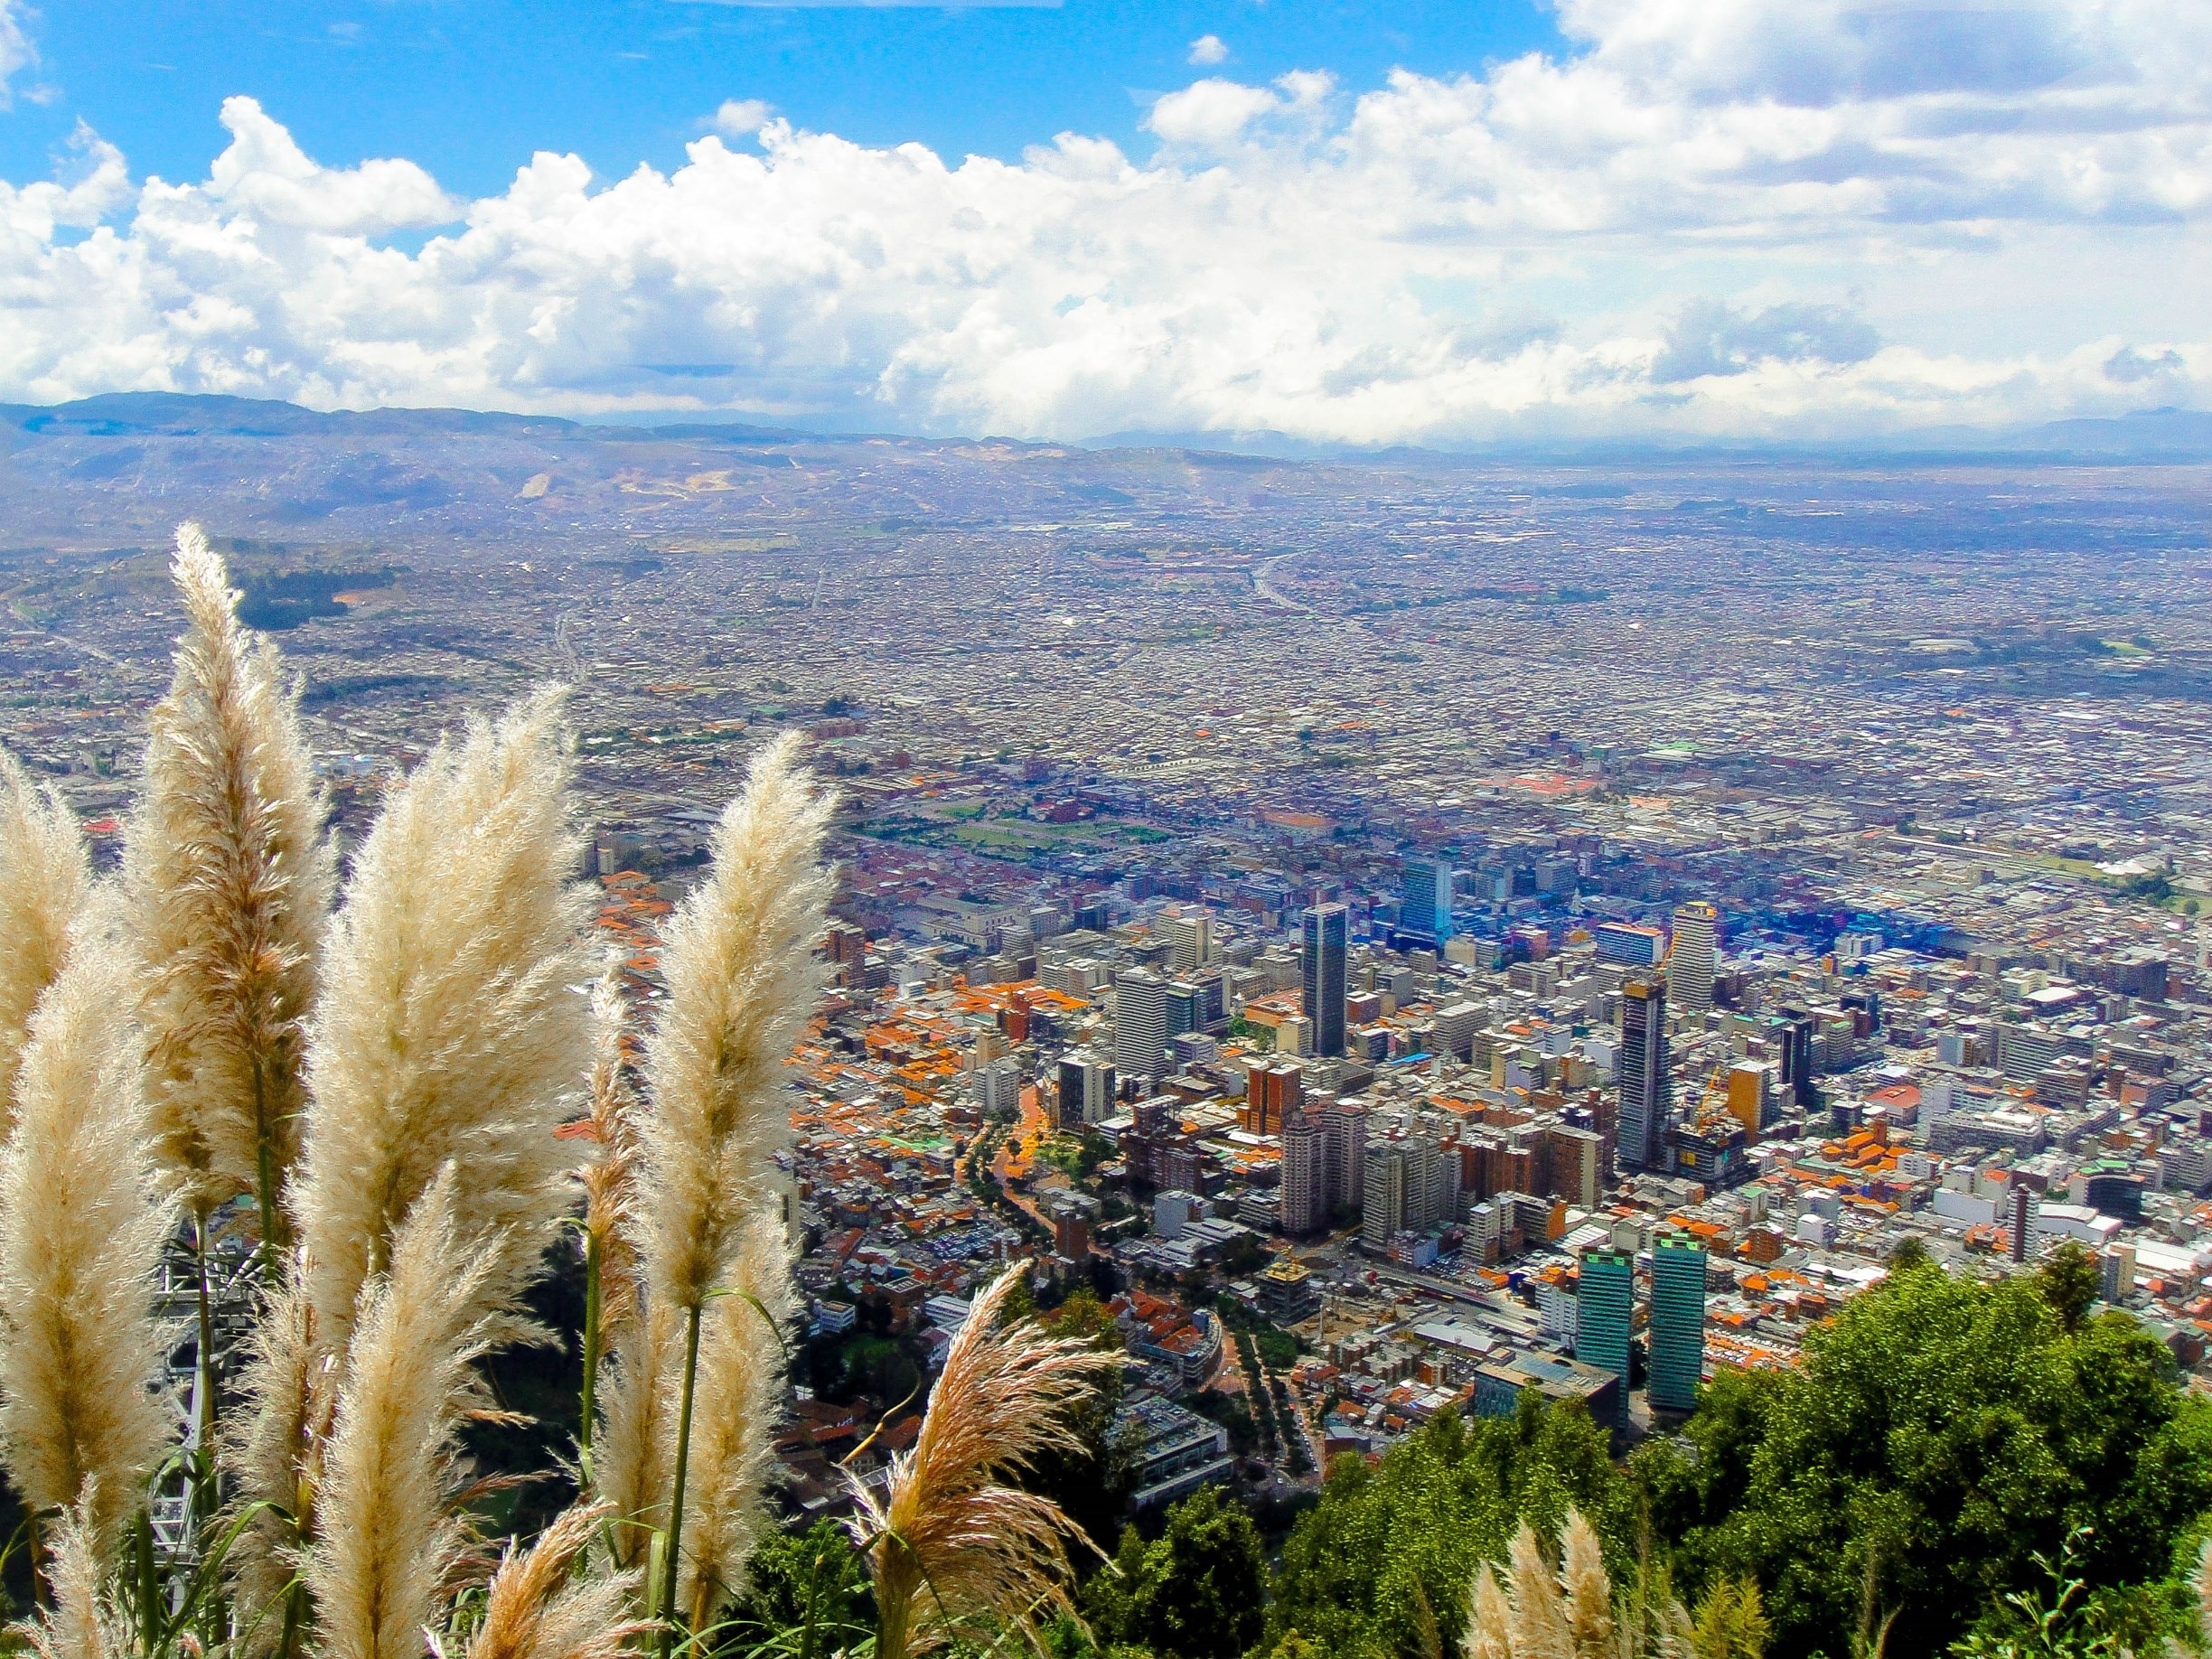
x: 1382, y: 1563
x: 1941, y: 1433
x: 2069, y: 1281
x: 1197, y: 1592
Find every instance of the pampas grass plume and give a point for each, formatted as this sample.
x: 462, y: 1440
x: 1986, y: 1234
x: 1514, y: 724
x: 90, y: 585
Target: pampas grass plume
x: 387, y: 1532
x: 81, y: 1230
x: 1540, y: 1627
x: 634, y: 1451
x: 81, y: 1622
x: 44, y: 878
x: 949, y: 1522
x: 610, y: 1175
x: 447, y: 1030
x: 534, y: 1609
x: 742, y: 971
x: 229, y: 879
x: 740, y: 1396
x: 1490, y: 1618
x: 1589, y: 1594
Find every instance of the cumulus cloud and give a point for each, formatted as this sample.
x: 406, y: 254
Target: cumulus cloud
x: 1691, y: 219
x: 1208, y: 49
x: 1712, y: 338
x: 740, y: 117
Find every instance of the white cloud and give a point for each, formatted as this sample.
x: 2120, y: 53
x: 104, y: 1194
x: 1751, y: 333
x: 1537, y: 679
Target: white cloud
x: 1208, y: 49
x: 1695, y: 221
x: 741, y: 117
x: 17, y: 52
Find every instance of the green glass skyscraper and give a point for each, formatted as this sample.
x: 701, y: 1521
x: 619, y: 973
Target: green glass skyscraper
x: 1605, y: 1313
x: 1677, y: 1323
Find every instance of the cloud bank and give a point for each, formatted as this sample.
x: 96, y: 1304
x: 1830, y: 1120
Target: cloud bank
x: 1751, y: 217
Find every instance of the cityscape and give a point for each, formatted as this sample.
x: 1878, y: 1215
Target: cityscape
x: 1402, y: 934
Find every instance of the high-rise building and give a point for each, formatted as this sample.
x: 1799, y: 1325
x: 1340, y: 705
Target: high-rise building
x: 1086, y: 1093
x: 1344, y: 1121
x: 1140, y: 1023
x: 1690, y: 964
x: 1271, y: 1093
x: 1677, y: 1323
x: 1629, y: 944
x: 1427, y: 910
x: 1643, y: 1093
x: 1304, y: 1174
x: 1605, y: 1314
x: 1328, y: 934
x: 1386, y: 1177
x: 1190, y: 941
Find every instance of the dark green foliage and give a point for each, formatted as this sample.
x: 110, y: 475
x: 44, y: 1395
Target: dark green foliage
x: 1198, y: 1591
x: 1380, y: 1568
x: 807, y: 1592
x: 2069, y: 1281
x: 1940, y: 1434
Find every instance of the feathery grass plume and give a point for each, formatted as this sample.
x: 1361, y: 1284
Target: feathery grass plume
x: 1540, y: 1627
x: 447, y: 1031
x: 386, y: 1535
x: 1589, y: 1594
x: 45, y: 877
x: 634, y: 1452
x: 950, y: 1539
x: 229, y: 879
x: 740, y: 1395
x: 609, y: 1196
x: 1489, y: 1618
x: 534, y: 1609
x: 81, y: 1228
x: 742, y: 971
x: 81, y: 1622
x: 274, y: 1451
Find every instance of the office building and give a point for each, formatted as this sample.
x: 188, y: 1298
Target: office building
x: 1677, y: 1323
x: 1140, y: 1023
x: 1605, y: 1317
x: 1190, y: 941
x: 1272, y: 1091
x: 1344, y: 1122
x: 1426, y: 912
x: 1382, y: 1206
x: 1630, y: 945
x: 1086, y: 1091
x: 1304, y: 1174
x: 1644, y: 1089
x: 1329, y: 933
x: 1690, y: 964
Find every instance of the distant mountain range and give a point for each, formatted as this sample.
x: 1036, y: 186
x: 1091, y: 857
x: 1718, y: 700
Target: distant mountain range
x: 2152, y: 435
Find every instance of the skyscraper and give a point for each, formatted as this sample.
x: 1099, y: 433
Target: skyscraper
x: 1304, y: 1174
x: 1190, y: 941
x: 1140, y: 1023
x: 1605, y: 1314
x: 1689, y: 965
x: 1328, y: 932
x: 1677, y: 1323
x: 1345, y: 1124
x: 1382, y: 1208
x: 1644, y: 1073
x: 1086, y: 1091
x: 1428, y: 894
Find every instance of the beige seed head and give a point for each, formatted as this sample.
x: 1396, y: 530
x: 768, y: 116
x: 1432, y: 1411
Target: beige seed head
x: 229, y: 881
x: 45, y: 878
x: 81, y: 1228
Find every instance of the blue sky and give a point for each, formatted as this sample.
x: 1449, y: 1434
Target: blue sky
x: 1424, y: 221
x: 470, y: 88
